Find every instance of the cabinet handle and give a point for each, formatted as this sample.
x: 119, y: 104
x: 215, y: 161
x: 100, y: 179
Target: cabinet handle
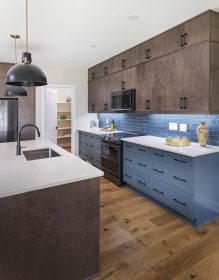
x: 156, y: 190
x: 93, y: 75
x: 123, y: 63
x: 182, y: 203
x: 178, y: 160
x: 147, y: 105
x: 149, y: 53
x: 185, y: 39
x: 141, y: 150
x: 159, y: 171
x: 140, y: 182
x: 185, y: 102
x: 181, y: 103
x: 159, y: 155
x: 144, y: 165
x: 182, y: 40
x: 123, y: 85
x: 179, y: 179
x: 146, y: 54
x: 106, y: 106
x: 105, y: 70
x: 128, y: 176
x: 128, y: 159
x: 92, y: 146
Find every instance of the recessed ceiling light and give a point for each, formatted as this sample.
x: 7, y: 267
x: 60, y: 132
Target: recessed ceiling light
x: 93, y: 46
x: 133, y: 17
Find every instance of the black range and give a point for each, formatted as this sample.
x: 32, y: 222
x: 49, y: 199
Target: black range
x: 111, y: 155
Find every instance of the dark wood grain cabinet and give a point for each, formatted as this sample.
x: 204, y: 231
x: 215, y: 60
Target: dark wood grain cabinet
x: 174, y: 72
x: 150, y: 86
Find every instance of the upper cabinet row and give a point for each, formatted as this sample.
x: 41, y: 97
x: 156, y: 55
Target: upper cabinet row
x: 199, y: 29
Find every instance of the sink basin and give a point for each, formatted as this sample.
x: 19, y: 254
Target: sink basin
x: 40, y: 154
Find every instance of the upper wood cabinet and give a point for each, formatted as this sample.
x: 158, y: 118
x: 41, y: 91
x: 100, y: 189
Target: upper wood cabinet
x: 174, y: 72
x: 150, y: 86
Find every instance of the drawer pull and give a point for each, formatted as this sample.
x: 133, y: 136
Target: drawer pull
x: 179, y: 179
x: 182, y: 203
x: 141, y: 150
x: 128, y: 176
x: 128, y: 159
x: 92, y: 146
x: 156, y: 190
x: 140, y: 182
x: 178, y: 160
x: 159, y: 155
x: 159, y: 171
x: 144, y: 165
x: 127, y: 146
x: 86, y: 144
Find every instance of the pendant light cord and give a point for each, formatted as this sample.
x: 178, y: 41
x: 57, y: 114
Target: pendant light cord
x: 27, y: 47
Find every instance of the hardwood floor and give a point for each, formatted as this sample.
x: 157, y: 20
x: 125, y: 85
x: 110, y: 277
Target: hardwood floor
x: 140, y: 240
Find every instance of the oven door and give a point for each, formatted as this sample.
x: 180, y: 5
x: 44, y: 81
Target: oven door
x: 111, y: 158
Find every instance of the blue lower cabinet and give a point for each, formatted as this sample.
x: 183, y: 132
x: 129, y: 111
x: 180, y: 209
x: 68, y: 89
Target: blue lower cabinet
x: 138, y: 180
x: 178, y: 201
x: 90, y: 148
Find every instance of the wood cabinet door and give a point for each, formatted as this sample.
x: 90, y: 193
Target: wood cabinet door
x: 105, y: 94
x: 150, y: 86
x: 151, y: 49
x: 174, y: 86
x: 94, y: 96
x: 196, y: 78
x: 197, y: 29
x: 172, y: 39
x: 128, y: 79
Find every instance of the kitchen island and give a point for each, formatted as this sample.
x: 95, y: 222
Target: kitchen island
x: 49, y: 215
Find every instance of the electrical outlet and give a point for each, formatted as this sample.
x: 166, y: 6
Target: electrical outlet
x: 183, y: 127
x: 173, y: 126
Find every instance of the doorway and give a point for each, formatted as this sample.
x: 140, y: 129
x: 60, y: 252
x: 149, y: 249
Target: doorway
x: 59, y: 115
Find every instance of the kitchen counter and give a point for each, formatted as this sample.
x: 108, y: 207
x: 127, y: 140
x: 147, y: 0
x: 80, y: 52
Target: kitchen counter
x: 159, y: 143
x: 17, y: 175
x: 97, y: 131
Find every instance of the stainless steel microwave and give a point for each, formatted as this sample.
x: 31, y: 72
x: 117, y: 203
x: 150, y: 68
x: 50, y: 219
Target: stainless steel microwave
x: 123, y: 100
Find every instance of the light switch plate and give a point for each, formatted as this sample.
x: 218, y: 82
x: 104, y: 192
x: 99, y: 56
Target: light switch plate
x: 183, y: 127
x: 173, y: 126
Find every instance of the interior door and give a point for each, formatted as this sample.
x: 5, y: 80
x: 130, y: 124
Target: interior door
x: 50, y: 114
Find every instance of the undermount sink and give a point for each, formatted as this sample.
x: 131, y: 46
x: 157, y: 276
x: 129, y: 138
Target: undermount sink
x: 40, y: 154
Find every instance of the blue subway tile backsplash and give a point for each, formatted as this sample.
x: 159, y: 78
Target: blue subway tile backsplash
x: 158, y: 125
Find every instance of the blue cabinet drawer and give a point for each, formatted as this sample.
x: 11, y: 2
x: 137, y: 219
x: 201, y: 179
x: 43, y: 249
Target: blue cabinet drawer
x: 172, y: 158
x: 135, y: 149
x: 137, y: 162
x: 138, y: 180
x: 178, y: 201
x: 181, y: 179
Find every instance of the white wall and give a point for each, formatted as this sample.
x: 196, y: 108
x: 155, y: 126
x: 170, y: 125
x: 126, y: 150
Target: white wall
x: 68, y: 76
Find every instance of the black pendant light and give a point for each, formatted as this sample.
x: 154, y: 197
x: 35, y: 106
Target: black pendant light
x: 26, y: 74
x: 13, y: 90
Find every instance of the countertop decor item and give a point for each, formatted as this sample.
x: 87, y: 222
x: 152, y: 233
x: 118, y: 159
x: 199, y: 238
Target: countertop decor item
x: 26, y: 74
x: 178, y: 141
x: 68, y: 99
x: 202, y: 134
x: 14, y: 90
x: 108, y: 129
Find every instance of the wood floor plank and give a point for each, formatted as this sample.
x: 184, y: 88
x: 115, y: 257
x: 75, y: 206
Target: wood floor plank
x: 140, y: 240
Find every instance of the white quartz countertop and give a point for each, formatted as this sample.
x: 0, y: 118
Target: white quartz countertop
x: 159, y: 143
x: 17, y: 175
x: 97, y: 131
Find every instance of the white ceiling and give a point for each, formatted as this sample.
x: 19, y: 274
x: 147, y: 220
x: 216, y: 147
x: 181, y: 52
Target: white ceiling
x: 61, y: 31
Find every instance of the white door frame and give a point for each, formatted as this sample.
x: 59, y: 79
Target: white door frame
x: 73, y: 111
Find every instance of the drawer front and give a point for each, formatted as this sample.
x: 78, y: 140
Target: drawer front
x: 137, y: 180
x: 139, y: 163
x: 180, y: 179
x: 172, y: 158
x: 178, y: 201
x: 136, y: 149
